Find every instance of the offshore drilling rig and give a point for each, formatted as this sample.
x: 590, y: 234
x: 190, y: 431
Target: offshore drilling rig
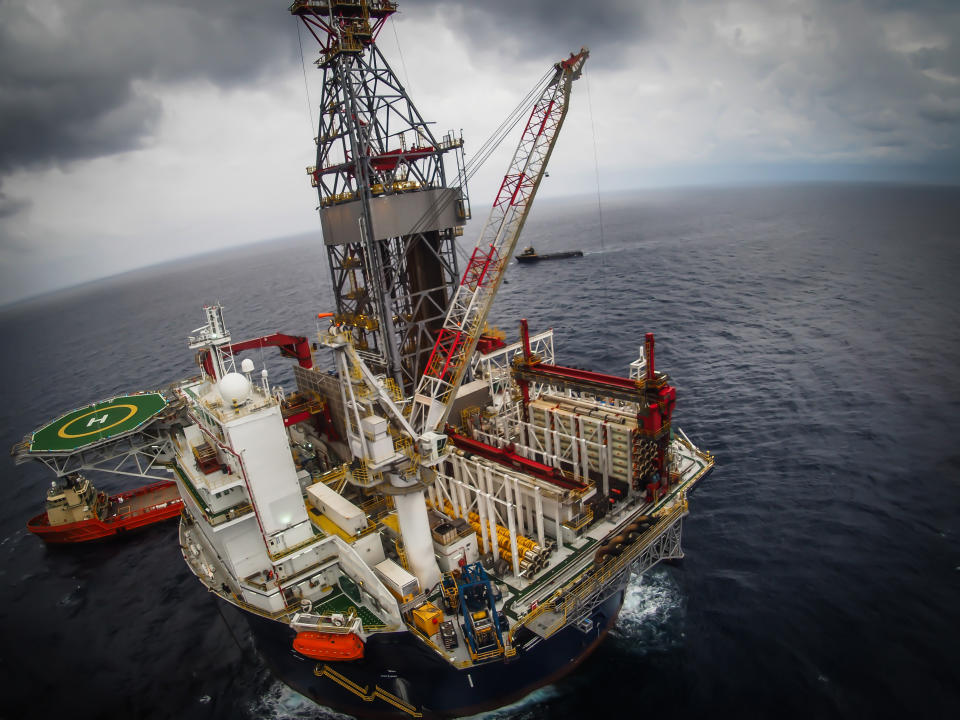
x: 436, y: 521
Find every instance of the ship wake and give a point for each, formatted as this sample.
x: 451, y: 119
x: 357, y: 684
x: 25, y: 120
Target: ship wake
x: 652, y: 614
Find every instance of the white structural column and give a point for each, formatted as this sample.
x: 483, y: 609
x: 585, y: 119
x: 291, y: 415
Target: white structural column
x: 538, y: 498
x: 417, y: 543
x: 584, y: 458
x: 518, y: 498
x: 559, y: 528
x: 459, y: 508
x: 513, y: 540
x: 608, y: 456
x: 492, y: 515
x: 482, y: 512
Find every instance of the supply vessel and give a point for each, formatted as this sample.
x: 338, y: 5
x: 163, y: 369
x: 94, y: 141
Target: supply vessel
x: 437, y: 519
x: 124, y: 435
x: 78, y: 512
x: 529, y: 255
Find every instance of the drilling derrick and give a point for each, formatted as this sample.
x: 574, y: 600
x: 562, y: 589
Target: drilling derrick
x: 389, y: 217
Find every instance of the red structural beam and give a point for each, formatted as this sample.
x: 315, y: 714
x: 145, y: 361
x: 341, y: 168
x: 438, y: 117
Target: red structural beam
x: 296, y: 418
x: 587, y: 376
x: 488, y: 343
x: 508, y: 458
x: 296, y: 347
x: 390, y: 159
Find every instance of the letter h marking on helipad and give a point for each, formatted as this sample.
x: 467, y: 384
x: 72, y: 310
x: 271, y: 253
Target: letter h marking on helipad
x: 100, y: 420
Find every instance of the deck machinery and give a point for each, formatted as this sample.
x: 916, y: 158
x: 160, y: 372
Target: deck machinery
x: 459, y: 524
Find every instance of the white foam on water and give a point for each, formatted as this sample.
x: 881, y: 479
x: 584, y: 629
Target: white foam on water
x: 652, y: 612
x: 73, y: 598
x: 280, y: 702
x: 528, y: 707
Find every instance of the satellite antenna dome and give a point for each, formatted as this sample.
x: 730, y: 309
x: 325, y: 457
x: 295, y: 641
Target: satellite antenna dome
x: 234, y: 389
x: 247, y: 365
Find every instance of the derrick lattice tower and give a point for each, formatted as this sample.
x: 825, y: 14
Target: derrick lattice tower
x: 389, y: 209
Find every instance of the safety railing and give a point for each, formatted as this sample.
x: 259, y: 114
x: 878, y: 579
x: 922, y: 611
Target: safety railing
x: 563, y: 601
x: 293, y: 548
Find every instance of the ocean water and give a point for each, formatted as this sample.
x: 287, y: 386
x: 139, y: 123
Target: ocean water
x: 812, y: 334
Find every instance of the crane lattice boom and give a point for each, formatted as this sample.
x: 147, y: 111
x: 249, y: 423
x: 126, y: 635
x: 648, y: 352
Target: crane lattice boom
x: 472, y: 300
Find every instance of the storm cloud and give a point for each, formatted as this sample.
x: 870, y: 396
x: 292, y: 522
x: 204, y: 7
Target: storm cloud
x: 525, y: 29
x: 135, y: 131
x: 74, y: 72
x: 792, y: 80
x: 80, y: 78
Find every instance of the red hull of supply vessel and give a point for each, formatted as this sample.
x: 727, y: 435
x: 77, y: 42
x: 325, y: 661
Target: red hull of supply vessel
x: 127, y: 511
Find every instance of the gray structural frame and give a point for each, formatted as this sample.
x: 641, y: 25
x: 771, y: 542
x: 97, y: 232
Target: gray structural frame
x: 391, y: 285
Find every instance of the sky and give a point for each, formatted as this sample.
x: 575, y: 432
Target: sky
x: 133, y: 132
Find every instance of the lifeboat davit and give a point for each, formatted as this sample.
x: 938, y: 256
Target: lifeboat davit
x: 328, y: 646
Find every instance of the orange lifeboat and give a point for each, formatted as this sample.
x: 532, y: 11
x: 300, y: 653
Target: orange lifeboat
x: 328, y: 646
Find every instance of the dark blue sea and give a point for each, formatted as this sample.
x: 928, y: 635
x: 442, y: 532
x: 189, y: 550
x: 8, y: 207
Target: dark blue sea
x: 813, y: 334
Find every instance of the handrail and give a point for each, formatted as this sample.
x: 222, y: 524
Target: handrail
x: 361, y: 691
x: 567, y: 600
x: 292, y: 549
x: 275, y: 615
x: 212, y: 518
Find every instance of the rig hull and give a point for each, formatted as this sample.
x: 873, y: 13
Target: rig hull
x: 400, y: 667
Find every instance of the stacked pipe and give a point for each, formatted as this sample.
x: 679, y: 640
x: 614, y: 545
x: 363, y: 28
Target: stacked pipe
x: 531, y: 555
x: 616, y: 545
x: 644, y: 454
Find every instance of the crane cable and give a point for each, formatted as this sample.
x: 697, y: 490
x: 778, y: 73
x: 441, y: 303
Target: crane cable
x: 497, y: 137
x: 303, y: 66
x: 403, y: 62
x: 505, y: 127
x: 596, y: 166
x: 483, y: 154
x: 489, y: 146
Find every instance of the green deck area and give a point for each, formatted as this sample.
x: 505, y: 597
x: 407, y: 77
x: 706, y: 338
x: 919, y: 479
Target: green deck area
x: 341, y: 603
x: 102, y: 421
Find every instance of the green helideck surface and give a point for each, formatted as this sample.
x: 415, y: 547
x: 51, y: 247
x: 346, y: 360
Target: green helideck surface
x: 94, y: 423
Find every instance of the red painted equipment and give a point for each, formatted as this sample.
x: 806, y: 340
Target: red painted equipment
x: 328, y: 646
x: 390, y: 159
x: 471, y: 302
x: 124, y: 511
x: 508, y: 458
x: 489, y: 343
x: 584, y: 380
x: 295, y: 347
x: 649, y: 353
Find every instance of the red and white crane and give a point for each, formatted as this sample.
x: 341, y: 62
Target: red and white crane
x: 462, y: 328
x: 471, y: 303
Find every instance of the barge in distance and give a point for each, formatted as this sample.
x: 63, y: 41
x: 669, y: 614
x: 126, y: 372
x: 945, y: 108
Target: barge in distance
x: 529, y: 255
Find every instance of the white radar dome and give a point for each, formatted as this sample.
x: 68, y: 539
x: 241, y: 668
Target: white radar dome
x: 234, y: 389
x: 247, y: 365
